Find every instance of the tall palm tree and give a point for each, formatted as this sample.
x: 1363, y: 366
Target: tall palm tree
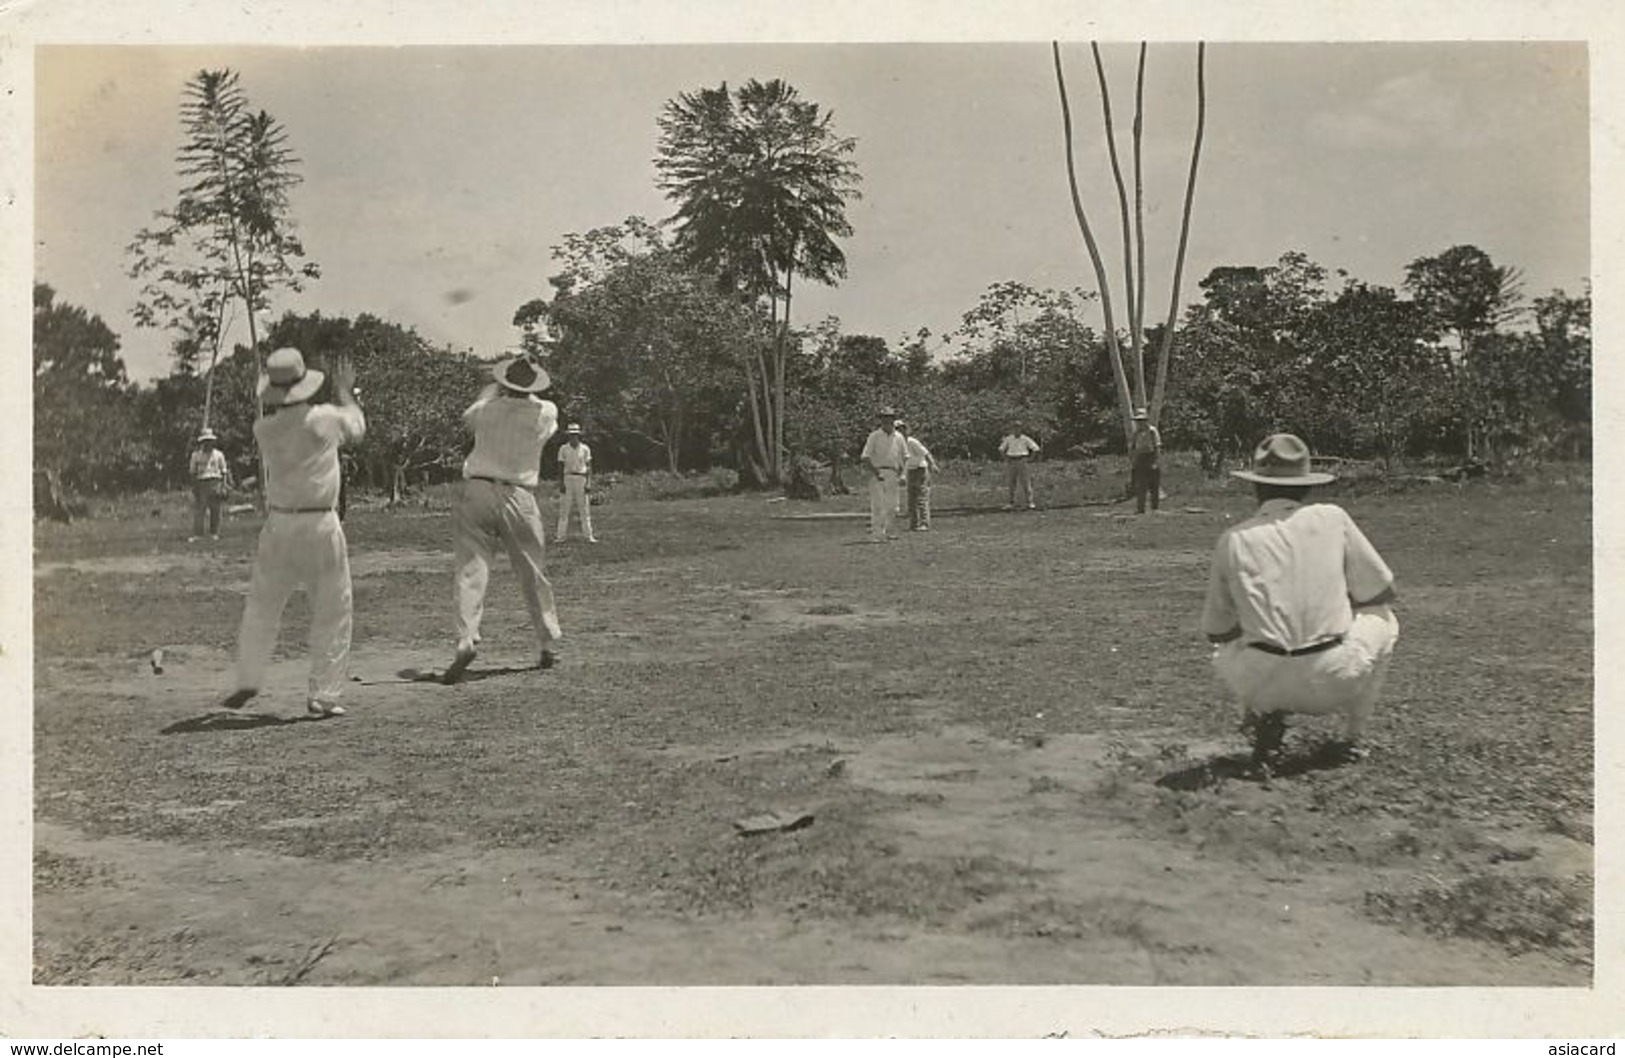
x: 761, y: 182
x: 229, y: 237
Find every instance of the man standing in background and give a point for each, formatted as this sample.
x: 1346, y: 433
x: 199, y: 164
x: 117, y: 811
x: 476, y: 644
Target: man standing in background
x: 511, y: 424
x: 210, y: 477
x: 919, y: 467
x: 1145, y: 463
x: 575, y: 461
x: 884, y: 453
x: 1018, y: 450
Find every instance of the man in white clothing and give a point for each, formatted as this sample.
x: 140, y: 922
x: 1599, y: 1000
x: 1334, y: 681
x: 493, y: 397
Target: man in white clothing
x: 210, y: 477
x: 918, y: 467
x: 575, y: 466
x: 1298, y: 606
x: 302, y: 544
x: 511, y: 424
x: 884, y: 453
x: 1018, y: 450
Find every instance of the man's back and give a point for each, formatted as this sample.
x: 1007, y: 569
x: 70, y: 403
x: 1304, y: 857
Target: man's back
x: 301, y: 448
x: 1287, y: 575
x: 509, y: 433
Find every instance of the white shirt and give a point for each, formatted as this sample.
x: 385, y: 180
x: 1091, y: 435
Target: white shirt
x: 208, y: 465
x: 918, y: 455
x: 885, y: 451
x: 1017, y: 446
x: 509, y: 433
x: 1290, y: 575
x: 1146, y: 440
x: 577, y: 459
x: 300, y: 445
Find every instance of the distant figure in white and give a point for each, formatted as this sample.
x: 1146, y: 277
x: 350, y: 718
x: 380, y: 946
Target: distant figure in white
x: 1018, y: 450
x: 302, y: 544
x: 919, y: 467
x: 575, y: 466
x: 210, y: 477
x: 1298, y: 605
x: 884, y: 453
x: 511, y: 424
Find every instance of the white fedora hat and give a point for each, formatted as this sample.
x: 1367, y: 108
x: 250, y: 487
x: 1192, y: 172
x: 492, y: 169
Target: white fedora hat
x: 287, y: 380
x: 1282, y: 459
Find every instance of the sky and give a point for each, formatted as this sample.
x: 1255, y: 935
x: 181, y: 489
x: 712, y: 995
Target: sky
x: 438, y: 179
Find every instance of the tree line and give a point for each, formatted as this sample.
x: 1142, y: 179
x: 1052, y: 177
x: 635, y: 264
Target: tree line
x: 651, y: 357
x: 673, y: 344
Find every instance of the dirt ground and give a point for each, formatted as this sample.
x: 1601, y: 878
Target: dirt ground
x: 1017, y: 767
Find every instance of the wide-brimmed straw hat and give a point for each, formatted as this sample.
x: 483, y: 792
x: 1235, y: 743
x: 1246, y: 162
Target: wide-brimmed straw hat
x: 1282, y: 459
x: 522, y: 375
x: 206, y: 434
x: 886, y: 413
x: 287, y: 380
x: 572, y: 428
x: 1139, y: 415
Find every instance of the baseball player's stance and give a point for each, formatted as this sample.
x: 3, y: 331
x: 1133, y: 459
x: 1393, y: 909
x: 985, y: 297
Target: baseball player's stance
x: 575, y: 464
x: 302, y: 544
x: 511, y: 424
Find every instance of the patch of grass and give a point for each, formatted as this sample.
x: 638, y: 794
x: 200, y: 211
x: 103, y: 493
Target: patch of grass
x: 53, y: 870
x: 664, y: 485
x: 830, y: 609
x: 1519, y: 913
x: 1112, y: 917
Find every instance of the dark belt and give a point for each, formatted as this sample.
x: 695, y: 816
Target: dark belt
x: 575, y: 473
x: 302, y: 510
x: 495, y: 481
x: 1283, y: 652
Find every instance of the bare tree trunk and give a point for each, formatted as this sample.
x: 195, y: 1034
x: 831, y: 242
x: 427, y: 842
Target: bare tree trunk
x: 214, y: 355
x: 778, y: 382
x: 837, y: 483
x: 1184, y: 238
x: 1137, y: 334
x: 1094, y: 250
x: 751, y: 360
x: 672, y: 427
x: 246, y: 279
x: 1128, y: 240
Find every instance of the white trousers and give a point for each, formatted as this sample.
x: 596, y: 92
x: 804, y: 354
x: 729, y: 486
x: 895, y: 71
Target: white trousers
x: 487, y: 513
x: 883, y: 505
x: 299, y: 551
x: 1344, y: 680
x: 575, y: 495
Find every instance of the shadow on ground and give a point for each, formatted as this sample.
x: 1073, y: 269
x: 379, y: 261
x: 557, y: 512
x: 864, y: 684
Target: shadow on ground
x: 470, y: 675
x: 1214, y: 770
x: 219, y: 721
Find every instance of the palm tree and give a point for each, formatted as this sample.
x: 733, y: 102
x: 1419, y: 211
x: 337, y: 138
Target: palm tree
x: 761, y: 183
x: 229, y: 237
